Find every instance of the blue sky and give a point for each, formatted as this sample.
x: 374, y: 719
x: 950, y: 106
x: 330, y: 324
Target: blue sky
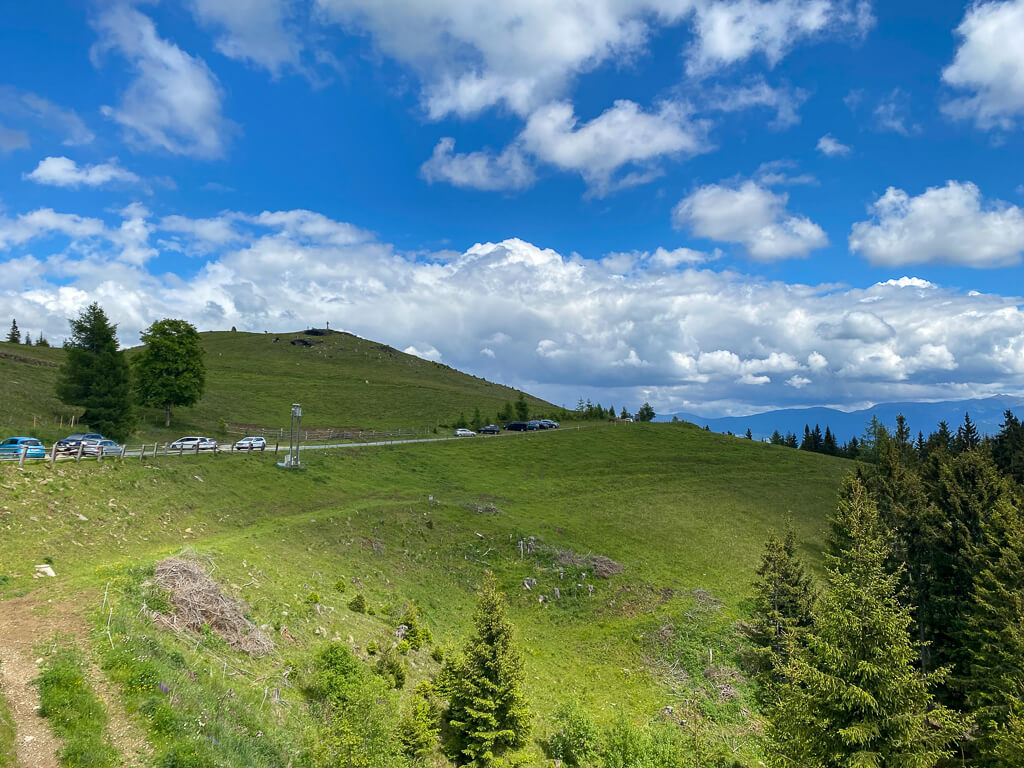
x: 719, y: 207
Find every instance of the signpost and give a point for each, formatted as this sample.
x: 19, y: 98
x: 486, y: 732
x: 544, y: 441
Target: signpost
x: 291, y: 461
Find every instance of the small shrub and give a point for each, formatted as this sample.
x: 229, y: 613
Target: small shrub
x: 340, y: 585
x: 358, y: 603
x: 371, y: 647
x: 419, y: 729
x: 576, y: 737
x: 403, y: 647
x: 313, y: 598
x: 391, y: 667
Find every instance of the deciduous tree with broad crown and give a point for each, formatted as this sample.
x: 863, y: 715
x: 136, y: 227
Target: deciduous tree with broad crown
x: 170, y: 371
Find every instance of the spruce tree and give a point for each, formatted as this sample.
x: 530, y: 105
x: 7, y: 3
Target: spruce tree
x: 967, y: 437
x: 487, y: 712
x: 14, y: 335
x: 973, y: 503
x: 28, y: 340
x: 851, y: 696
x: 522, y: 408
x: 1008, y: 448
x: 783, y: 600
x: 912, y: 526
x: 95, y: 375
x: 995, y: 687
x: 828, y: 444
x: 41, y: 341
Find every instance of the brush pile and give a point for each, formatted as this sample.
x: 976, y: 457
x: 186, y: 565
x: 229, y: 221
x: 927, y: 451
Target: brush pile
x: 603, y: 567
x: 198, y: 600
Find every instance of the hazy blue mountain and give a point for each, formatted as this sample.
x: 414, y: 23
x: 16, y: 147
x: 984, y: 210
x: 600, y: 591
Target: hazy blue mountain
x: 987, y: 413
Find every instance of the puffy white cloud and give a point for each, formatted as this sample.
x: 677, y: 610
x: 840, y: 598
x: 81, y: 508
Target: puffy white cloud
x: 254, y: 31
x: 473, y: 54
x: 858, y: 326
x: 508, y: 170
x: 174, y: 101
x: 831, y: 147
x: 990, y: 64
x: 949, y: 225
x: 26, y: 107
x: 730, y: 32
x: 622, y: 135
x: 561, y: 326
x: 751, y: 215
x: 64, y: 172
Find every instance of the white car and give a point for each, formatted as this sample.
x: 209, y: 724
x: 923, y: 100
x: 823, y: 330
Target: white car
x: 100, y: 447
x: 460, y: 432
x: 251, y: 444
x: 194, y: 443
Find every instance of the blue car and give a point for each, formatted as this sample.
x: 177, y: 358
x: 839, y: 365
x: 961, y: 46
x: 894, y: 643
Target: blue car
x: 12, y: 447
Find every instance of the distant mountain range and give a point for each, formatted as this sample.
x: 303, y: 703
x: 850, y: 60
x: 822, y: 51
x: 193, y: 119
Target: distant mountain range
x: 986, y: 413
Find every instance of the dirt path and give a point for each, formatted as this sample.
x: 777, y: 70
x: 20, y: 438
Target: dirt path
x: 35, y: 746
x: 21, y: 630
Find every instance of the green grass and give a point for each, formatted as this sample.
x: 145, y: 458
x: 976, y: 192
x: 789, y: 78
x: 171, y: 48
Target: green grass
x: 342, y: 381
x: 7, y: 734
x: 680, y: 508
x: 76, y: 714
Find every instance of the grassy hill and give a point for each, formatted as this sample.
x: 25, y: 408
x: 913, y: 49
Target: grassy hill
x: 340, y: 379
x: 685, y: 512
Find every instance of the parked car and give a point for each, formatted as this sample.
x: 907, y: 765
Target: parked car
x: 12, y: 448
x: 70, y: 443
x: 517, y: 426
x: 490, y: 429
x: 460, y: 432
x: 251, y: 444
x: 100, y: 447
x: 192, y: 443
x: 548, y: 424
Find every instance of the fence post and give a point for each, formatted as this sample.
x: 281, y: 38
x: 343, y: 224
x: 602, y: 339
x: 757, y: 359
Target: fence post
x: 275, y: 448
x: 24, y: 453
x: 53, y: 455
x: 123, y: 449
x: 81, y: 445
x: 142, y: 452
x: 99, y: 455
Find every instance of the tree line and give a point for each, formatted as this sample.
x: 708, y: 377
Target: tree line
x: 97, y: 376
x: 912, y: 651
x: 14, y: 336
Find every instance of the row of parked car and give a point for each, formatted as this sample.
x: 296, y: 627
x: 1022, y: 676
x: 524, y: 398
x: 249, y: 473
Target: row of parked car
x: 512, y: 426
x: 95, y: 444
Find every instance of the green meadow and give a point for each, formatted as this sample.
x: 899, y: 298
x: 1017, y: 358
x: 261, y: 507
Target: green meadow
x: 683, y: 511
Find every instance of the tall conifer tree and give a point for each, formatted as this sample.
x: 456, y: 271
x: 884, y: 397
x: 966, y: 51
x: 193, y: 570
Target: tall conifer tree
x: 852, y: 697
x: 95, y: 375
x: 783, y: 599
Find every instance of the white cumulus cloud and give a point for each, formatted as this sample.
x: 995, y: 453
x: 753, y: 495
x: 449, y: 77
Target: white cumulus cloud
x: 174, y: 101
x: 64, y: 172
x: 990, y: 65
x: 829, y: 146
x: 751, y: 215
x: 946, y: 225
x: 507, y: 170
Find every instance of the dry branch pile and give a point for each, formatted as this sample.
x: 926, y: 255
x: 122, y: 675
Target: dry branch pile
x: 198, y: 600
x: 604, y: 567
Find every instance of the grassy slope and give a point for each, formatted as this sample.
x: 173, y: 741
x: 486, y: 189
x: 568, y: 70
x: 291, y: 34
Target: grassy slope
x: 7, y: 734
x: 342, y: 380
x: 681, y: 508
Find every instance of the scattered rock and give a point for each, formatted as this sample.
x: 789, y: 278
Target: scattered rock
x: 43, y: 571
x: 401, y: 630
x: 529, y: 583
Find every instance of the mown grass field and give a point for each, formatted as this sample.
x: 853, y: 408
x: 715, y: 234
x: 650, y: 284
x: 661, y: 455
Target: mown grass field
x: 681, y: 509
x: 342, y: 381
